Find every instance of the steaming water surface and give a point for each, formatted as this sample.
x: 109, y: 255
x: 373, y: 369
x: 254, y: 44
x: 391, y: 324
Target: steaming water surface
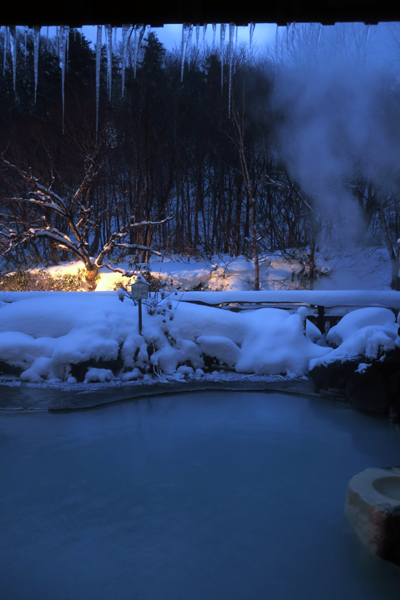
x: 236, y: 496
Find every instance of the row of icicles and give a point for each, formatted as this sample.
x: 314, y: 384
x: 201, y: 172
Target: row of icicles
x: 137, y: 31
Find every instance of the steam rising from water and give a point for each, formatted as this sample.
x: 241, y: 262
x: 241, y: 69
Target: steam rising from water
x: 341, y: 120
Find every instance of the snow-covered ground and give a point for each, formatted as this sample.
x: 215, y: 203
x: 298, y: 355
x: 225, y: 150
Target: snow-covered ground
x: 357, y: 269
x: 45, y: 335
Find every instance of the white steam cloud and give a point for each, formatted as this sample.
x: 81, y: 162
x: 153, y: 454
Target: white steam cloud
x: 341, y: 120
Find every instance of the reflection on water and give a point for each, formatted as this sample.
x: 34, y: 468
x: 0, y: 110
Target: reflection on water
x: 217, y: 495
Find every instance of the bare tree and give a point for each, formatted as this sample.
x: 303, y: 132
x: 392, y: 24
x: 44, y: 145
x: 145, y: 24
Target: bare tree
x: 251, y: 185
x: 75, y: 213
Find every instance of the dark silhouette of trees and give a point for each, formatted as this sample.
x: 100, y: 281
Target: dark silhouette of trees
x: 169, y: 148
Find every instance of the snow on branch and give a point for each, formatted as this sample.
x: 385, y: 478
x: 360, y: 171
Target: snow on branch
x: 138, y: 247
x: 147, y: 223
x: 76, y: 215
x: 115, y: 239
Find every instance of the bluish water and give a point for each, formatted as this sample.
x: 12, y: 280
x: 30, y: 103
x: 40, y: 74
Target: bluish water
x: 207, y: 496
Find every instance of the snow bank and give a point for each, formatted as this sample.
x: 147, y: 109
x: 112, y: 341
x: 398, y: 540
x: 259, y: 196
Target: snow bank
x: 352, y: 322
x: 93, y: 337
x: 369, y: 332
x: 46, y: 335
x: 275, y: 343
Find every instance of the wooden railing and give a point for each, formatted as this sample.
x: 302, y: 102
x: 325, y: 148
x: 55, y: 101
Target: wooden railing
x: 325, y: 307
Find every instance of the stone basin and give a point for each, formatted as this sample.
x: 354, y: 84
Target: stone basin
x: 373, y: 509
x: 388, y: 486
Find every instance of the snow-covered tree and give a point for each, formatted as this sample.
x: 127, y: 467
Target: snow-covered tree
x: 42, y: 205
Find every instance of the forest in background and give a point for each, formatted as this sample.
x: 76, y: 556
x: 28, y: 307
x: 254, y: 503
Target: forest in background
x: 208, y: 165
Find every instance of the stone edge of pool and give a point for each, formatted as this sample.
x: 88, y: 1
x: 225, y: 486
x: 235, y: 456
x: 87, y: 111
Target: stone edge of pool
x: 23, y: 398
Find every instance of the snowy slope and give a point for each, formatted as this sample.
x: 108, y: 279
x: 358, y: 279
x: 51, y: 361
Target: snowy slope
x: 367, y: 269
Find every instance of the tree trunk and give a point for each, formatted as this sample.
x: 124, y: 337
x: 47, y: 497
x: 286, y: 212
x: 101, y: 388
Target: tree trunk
x: 394, y: 284
x: 90, y: 277
x: 255, y: 251
x: 312, y: 252
x: 53, y: 252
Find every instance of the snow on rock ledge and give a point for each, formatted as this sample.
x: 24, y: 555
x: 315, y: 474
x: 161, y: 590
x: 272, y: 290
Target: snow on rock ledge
x: 351, y: 323
x: 368, y: 332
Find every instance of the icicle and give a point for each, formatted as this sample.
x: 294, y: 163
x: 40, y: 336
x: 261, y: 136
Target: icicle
x: 189, y: 40
x: 182, y: 50
x: 5, y: 49
x: 125, y: 29
x: 138, y: 41
x: 109, y: 58
x: 75, y: 34
x: 25, y: 40
x: 231, y: 34
x: 287, y: 35
x: 146, y: 31
x: 318, y: 38
x: 222, y: 44
x: 185, y: 35
x: 276, y: 54
x: 204, y: 32
x: 60, y: 33
x: 235, y: 49
x: 135, y: 42
x: 187, y: 31
x: 67, y: 49
x: 58, y: 39
x: 197, y: 34
x: 214, y: 27
x: 366, y: 44
x: 13, y: 35
x: 36, y: 41
x: 252, y: 28
x: 64, y: 34
x: 47, y: 39
x: 115, y: 36
x: 98, y: 57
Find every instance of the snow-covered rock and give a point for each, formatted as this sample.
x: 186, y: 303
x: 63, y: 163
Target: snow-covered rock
x: 98, y: 375
x: 368, y: 332
x: 221, y: 348
x: 358, y: 319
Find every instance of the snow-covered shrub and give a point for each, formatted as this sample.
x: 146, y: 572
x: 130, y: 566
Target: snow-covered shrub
x: 43, y: 368
x: 221, y: 348
x: 40, y: 280
x: 185, y: 370
x: 170, y: 352
x: 99, y: 375
x: 80, y: 332
x: 131, y: 375
x: 134, y: 350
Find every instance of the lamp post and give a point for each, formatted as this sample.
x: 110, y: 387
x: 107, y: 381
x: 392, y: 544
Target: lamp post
x: 139, y: 292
